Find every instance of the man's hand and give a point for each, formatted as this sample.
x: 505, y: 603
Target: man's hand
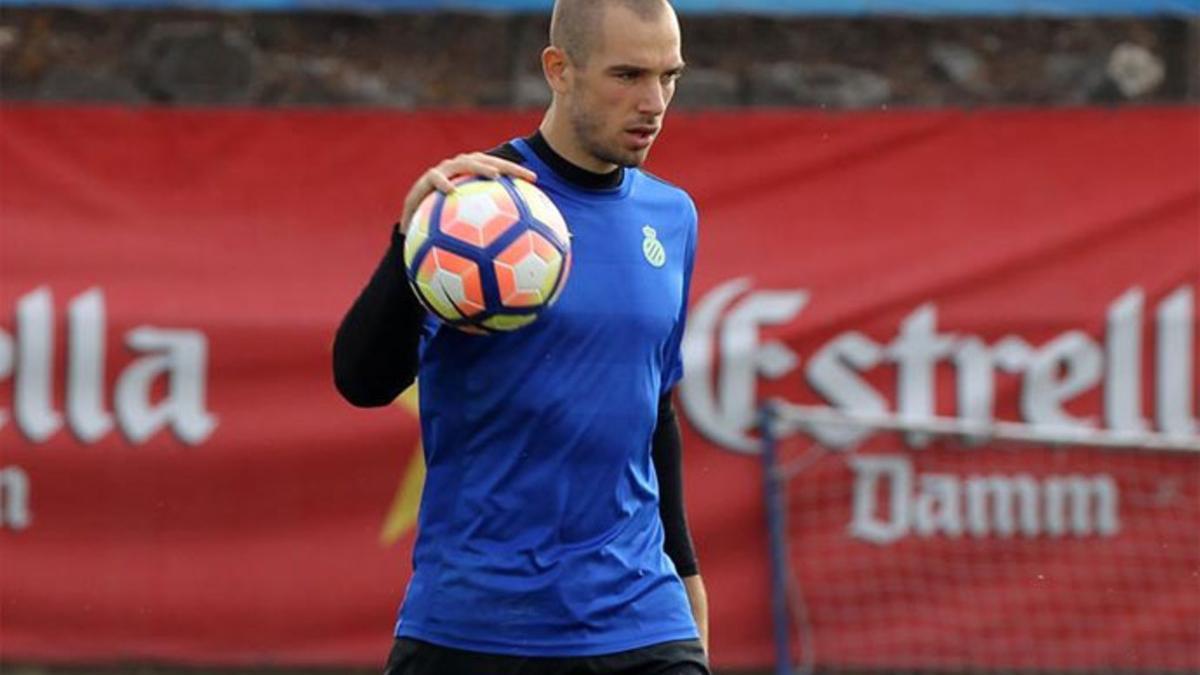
x: 439, y: 177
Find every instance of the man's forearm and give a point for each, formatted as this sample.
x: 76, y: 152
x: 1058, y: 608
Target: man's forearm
x: 375, y: 351
x: 698, y: 598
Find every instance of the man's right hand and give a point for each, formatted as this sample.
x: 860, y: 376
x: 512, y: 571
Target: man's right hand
x: 439, y: 178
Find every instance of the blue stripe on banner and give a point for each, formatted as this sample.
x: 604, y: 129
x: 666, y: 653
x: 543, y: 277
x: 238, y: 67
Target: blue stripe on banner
x: 772, y: 7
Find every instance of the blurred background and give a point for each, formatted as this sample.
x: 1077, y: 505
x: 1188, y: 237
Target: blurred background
x: 956, y: 210
x: 410, y: 55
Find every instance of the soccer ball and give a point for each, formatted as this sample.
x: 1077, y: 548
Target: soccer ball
x: 491, y: 256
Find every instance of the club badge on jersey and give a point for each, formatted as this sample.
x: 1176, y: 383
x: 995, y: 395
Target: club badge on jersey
x: 652, y: 248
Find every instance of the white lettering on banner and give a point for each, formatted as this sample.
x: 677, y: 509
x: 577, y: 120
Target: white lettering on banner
x: 976, y: 365
x: 32, y: 400
x: 725, y: 357
x: 916, y: 351
x: 1063, y: 368
x: 1123, y: 344
x: 85, y: 368
x: 183, y: 361
x: 1176, y: 349
x: 831, y: 374
x: 891, y: 502
x: 14, y: 499
x: 179, y: 356
x: 726, y: 413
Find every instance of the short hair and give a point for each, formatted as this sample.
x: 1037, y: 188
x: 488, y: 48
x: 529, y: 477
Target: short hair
x: 575, y: 25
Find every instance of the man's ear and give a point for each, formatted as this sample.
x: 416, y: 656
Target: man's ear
x: 557, y: 69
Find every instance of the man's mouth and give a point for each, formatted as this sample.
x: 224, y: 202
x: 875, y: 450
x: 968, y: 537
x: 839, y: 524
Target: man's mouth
x: 642, y: 135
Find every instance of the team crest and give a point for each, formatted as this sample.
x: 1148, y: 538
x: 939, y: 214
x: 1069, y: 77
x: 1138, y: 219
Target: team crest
x: 652, y: 248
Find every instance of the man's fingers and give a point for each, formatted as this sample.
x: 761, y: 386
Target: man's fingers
x: 488, y: 166
x: 441, y: 177
x: 509, y: 168
x: 439, y: 181
x: 479, y: 168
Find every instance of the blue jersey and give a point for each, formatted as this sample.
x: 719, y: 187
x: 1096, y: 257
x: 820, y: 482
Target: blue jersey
x: 539, y: 528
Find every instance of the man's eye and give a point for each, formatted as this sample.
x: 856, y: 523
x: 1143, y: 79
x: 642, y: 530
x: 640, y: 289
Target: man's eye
x: 627, y: 76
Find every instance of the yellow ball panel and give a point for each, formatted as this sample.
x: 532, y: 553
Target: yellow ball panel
x: 544, y: 210
x: 509, y: 322
x: 548, y: 283
x: 418, y: 229
x: 438, y: 301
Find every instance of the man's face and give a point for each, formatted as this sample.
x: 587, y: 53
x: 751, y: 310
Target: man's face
x: 620, y: 96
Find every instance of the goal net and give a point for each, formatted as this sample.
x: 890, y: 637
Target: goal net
x: 945, y: 545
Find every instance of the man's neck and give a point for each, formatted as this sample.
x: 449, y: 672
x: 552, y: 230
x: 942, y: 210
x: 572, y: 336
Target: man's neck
x: 582, y: 174
x: 554, y: 128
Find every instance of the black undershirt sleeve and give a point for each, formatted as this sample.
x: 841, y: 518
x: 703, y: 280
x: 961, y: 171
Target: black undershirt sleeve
x: 667, y: 451
x: 375, y: 352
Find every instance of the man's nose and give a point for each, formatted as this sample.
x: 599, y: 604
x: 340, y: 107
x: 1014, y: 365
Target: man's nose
x: 654, y: 99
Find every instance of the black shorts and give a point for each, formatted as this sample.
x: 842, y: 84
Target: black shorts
x: 414, y: 657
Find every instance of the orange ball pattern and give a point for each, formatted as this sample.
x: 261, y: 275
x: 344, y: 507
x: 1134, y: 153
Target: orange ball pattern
x: 490, y: 256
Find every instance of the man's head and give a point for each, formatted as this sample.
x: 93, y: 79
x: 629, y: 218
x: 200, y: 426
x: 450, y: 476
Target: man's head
x: 612, y: 65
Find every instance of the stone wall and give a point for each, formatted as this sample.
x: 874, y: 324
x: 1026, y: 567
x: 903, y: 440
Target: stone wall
x: 437, y: 60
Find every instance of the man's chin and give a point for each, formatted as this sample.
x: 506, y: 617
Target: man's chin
x: 624, y: 156
x: 634, y: 158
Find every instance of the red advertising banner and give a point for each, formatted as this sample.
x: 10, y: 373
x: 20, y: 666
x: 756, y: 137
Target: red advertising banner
x: 180, y: 482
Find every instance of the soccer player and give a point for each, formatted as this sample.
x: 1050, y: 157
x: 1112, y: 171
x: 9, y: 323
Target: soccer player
x: 552, y: 536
